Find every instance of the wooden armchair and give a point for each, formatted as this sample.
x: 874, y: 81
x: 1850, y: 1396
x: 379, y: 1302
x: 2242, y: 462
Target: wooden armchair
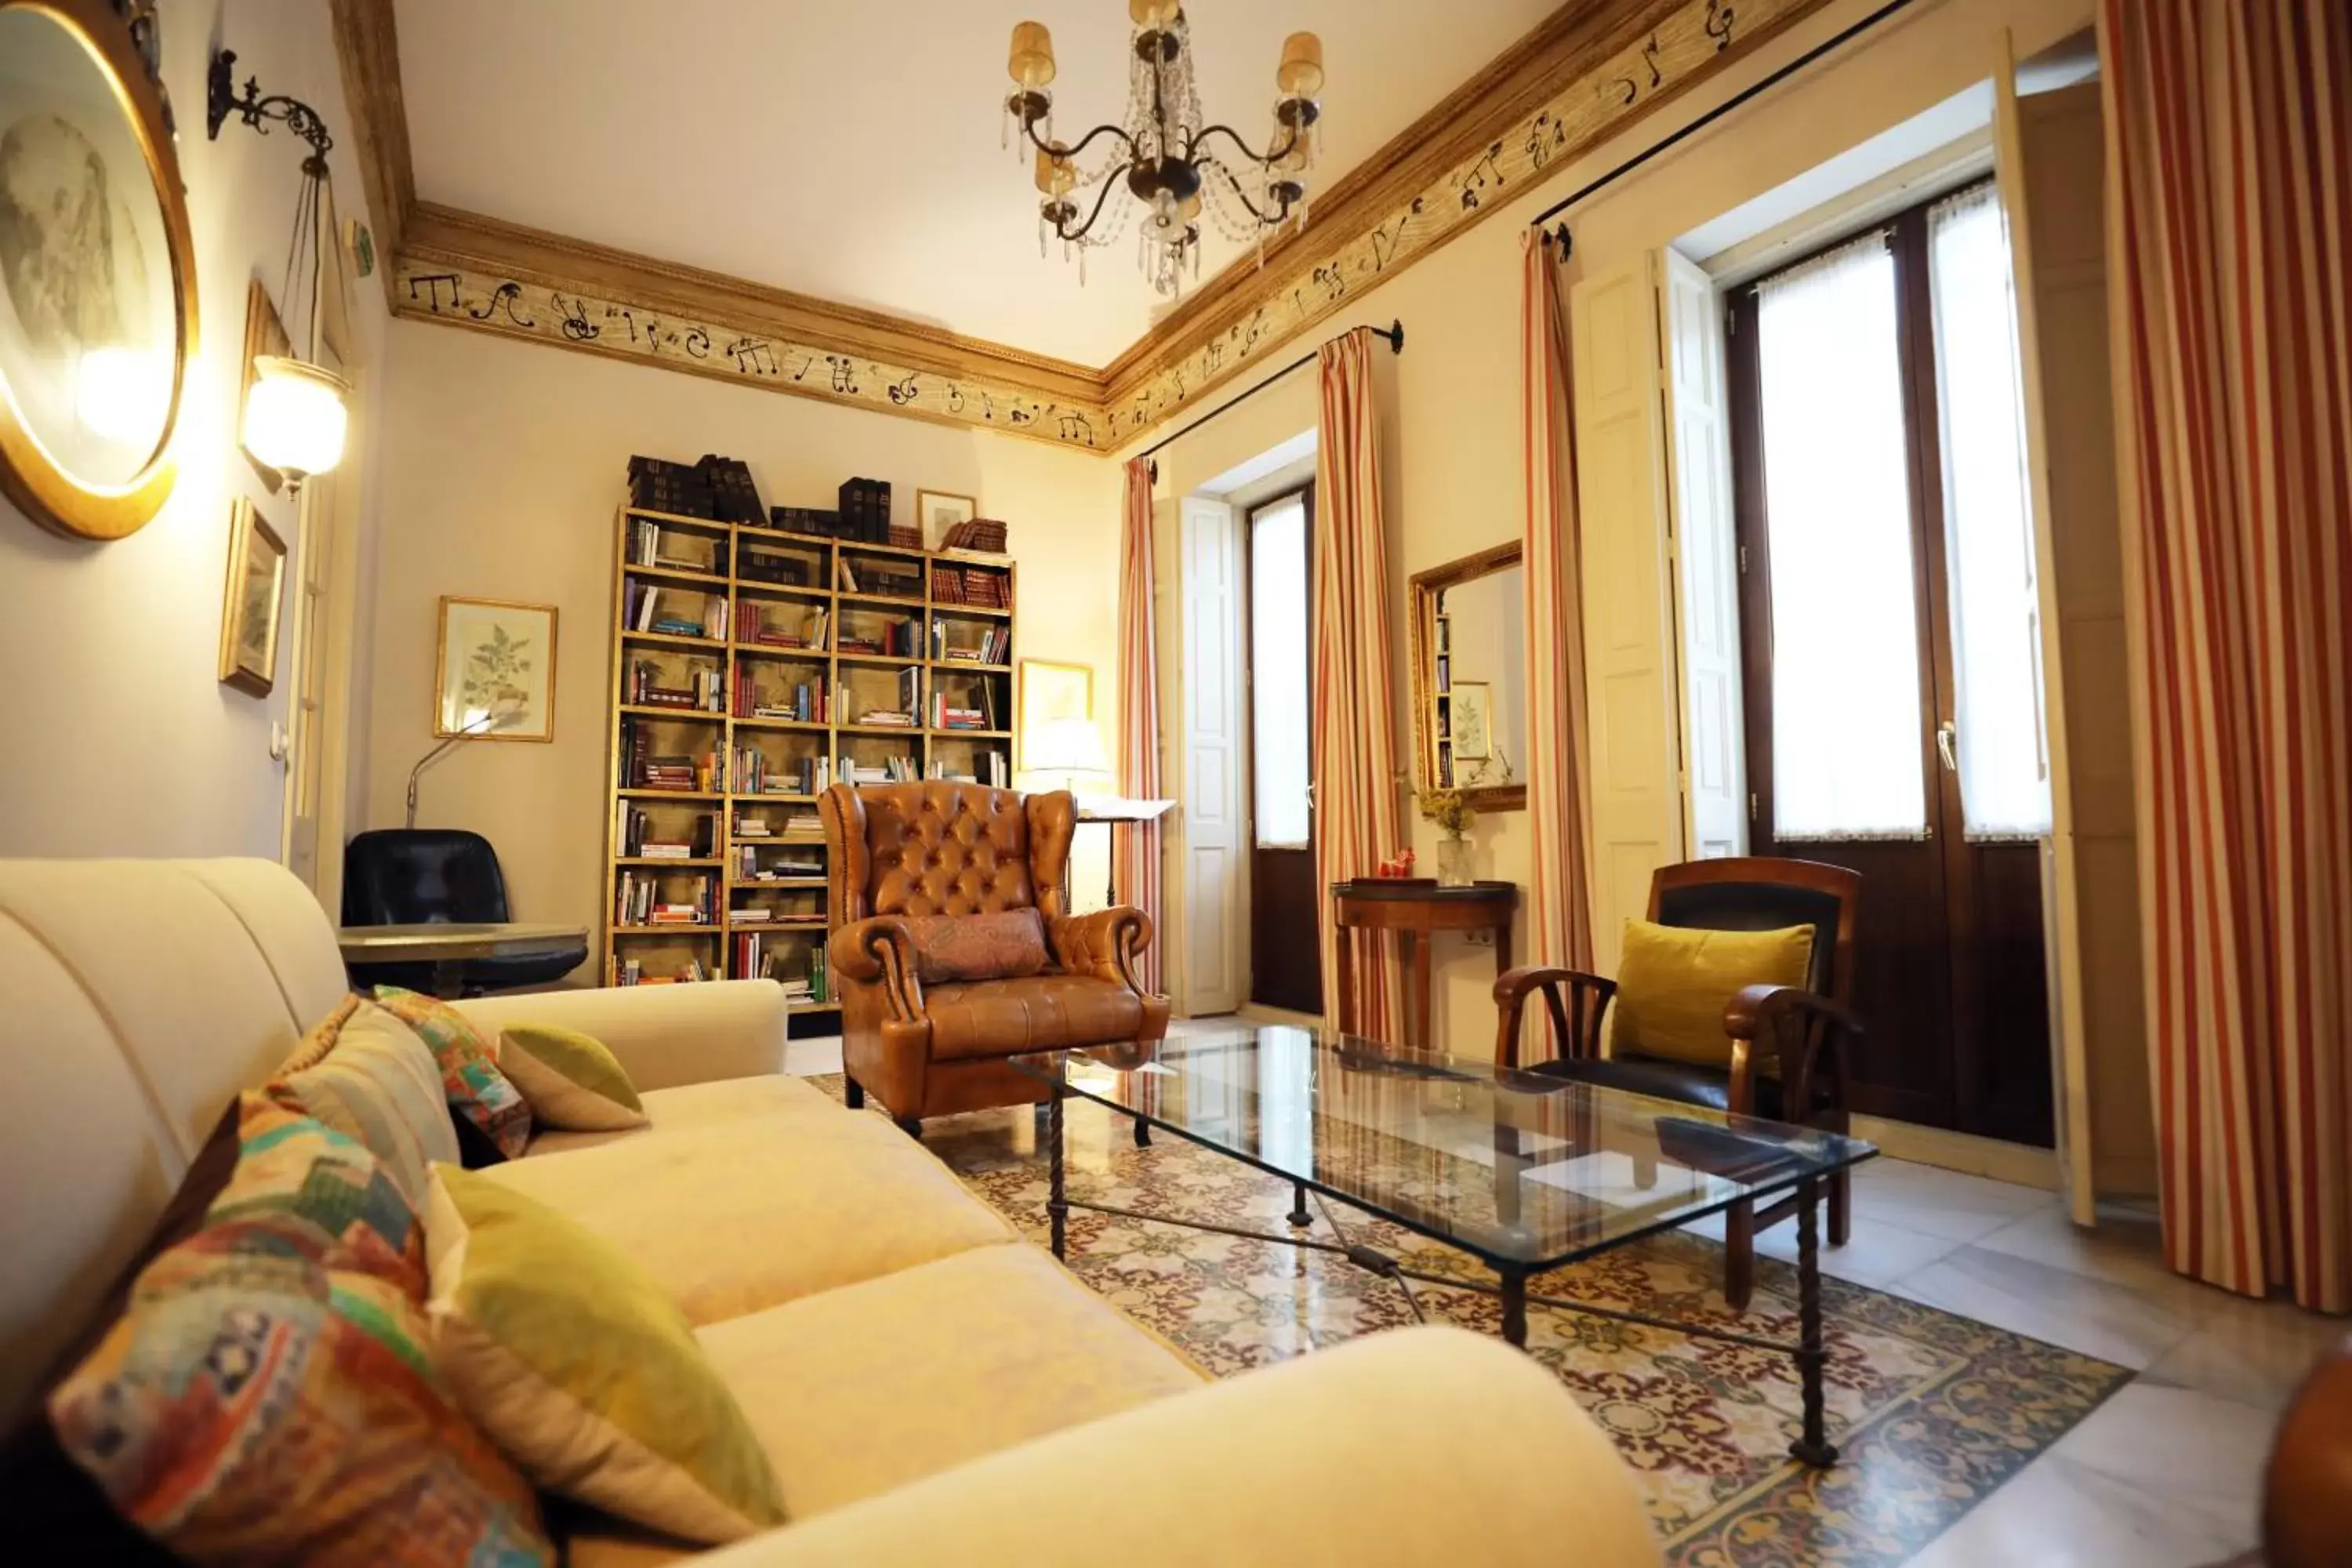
x: 1807, y: 1035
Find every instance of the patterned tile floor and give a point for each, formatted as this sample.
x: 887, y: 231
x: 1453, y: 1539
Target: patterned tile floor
x: 2163, y: 1474
x: 1934, y: 1409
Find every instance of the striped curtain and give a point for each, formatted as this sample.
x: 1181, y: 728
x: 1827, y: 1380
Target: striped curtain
x: 2228, y: 135
x: 1136, y: 856
x: 1559, y: 918
x: 1356, y: 785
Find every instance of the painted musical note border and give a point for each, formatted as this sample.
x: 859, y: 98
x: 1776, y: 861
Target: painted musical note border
x: 454, y: 292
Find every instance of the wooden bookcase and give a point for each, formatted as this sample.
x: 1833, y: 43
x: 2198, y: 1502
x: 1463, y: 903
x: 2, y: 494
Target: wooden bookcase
x: 754, y: 619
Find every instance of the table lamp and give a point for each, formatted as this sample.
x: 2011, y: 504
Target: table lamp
x: 1068, y: 747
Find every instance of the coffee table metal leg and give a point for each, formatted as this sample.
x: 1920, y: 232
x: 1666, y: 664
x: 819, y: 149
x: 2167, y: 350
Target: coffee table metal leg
x: 1298, y: 1214
x: 1057, y: 1206
x: 1814, y: 1446
x: 1515, y: 1310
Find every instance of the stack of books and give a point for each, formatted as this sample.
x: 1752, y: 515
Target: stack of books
x: 866, y: 510
x: 644, y: 688
x: 633, y: 833
x: 684, y: 551
x: 673, y: 612
x: 994, y: 644
x: 639, y: 900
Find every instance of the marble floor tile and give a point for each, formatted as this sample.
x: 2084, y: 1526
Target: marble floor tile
x: 2095, y: 1316
x: 2254, y: 1352
x: 1942, y: 1203
x: 2156, y: 1477
x: 1875, y: 1254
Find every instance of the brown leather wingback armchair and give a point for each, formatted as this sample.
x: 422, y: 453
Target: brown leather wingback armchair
x: 909, y: 862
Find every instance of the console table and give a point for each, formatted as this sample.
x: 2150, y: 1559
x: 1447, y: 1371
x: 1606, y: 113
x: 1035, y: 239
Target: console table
x: 1415, y: 908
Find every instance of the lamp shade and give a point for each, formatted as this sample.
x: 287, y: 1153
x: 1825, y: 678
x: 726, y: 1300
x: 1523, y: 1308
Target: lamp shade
x: 295, y: 416
x: 1065, y: 746
x: 1154, y: 13
x: 1031, y: 62
x: 1301, y: 74
x: 1056, y: 175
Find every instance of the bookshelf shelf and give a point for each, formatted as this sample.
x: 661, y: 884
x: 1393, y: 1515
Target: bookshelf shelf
x: 691, y: 556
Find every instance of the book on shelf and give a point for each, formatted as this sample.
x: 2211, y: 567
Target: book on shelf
x: 993, y: 645
x: 665, y: 851
x: 756, y: 914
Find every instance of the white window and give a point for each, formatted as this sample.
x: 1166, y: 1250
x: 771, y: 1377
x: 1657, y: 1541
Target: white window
x: 1988, y: 522
x: 1846, y: 758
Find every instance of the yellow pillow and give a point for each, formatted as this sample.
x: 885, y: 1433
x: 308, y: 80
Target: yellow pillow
x: 1672, y: 985
x: 583, y: 1370
x: 569, y: 1080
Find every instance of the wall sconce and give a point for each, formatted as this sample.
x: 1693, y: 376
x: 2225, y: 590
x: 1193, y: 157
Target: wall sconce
x: 295, y: 415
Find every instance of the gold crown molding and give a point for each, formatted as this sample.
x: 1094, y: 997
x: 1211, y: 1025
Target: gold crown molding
x: 1586, y: 74
x: 1569, y: 85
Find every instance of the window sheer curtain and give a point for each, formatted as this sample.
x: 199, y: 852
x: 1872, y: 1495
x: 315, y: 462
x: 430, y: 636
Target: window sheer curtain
x: 1846, y: 758
x: 1988, y: 522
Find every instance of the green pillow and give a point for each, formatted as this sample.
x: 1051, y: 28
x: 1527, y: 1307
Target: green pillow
x: 569, y: 1080
x: 1674, y: 984
x: 583, y: 1370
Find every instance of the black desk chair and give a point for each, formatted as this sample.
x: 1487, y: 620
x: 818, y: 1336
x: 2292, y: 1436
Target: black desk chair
x: 437, y: 876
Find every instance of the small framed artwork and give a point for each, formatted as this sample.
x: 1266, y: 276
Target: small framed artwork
x: 1473, y: 734
x: 249, y: 604
x: 1050, y: 692
x: 936, y: 512
x: 494, y: 676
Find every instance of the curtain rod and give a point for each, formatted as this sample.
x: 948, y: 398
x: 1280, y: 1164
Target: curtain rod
x: 1709, y: 118
x: 1393, y: 332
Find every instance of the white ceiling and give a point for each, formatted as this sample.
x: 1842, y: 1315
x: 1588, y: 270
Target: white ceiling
x: 850, y: 150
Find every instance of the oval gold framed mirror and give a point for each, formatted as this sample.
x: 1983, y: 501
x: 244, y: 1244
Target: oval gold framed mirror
x: 98, y: 277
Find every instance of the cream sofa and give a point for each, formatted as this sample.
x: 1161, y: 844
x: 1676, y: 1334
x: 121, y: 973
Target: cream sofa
x: 929, y: 1386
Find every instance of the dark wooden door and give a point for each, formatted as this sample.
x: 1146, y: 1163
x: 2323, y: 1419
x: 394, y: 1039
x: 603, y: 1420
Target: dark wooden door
x: 1286, y: 906
x: 1950, y: 973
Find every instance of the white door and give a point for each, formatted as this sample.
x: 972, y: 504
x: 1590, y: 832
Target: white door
x: 1629, y: 621
x: 1706, y: 558
x: 1213, y: 977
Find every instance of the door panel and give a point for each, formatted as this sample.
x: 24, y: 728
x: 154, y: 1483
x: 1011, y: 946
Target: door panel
x: 1621, y: 487
x: 1210, y: 824
x: 1286, y: 906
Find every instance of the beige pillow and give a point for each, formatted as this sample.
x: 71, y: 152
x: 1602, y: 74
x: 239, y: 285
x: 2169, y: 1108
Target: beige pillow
x: 372, y: 1078
x: 583, y: 1370
x: 571, y: 1079
x: 1007, y: 945
x: 1674, y: 984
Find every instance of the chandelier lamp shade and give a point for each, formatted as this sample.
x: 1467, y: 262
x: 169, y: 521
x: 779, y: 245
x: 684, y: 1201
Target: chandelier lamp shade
x: 1164, y: 170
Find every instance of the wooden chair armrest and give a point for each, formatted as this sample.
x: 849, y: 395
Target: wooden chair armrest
x: 1575, y: 1023
x: 880, y: 952
x: 1810, y: 1035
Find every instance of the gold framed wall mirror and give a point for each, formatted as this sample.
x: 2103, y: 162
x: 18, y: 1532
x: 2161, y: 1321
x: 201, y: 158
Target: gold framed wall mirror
x: 1470, y: 679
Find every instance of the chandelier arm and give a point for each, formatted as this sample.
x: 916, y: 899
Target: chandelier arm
x: 1274, y: 157
x: 1087, y: 227
x: 1242, y: 196
x: 1029, y: 129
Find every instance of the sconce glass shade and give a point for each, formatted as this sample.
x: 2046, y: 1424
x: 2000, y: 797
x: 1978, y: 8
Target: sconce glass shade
x: 1055, y: 176
x: 1301, y: 73
x: 1031, y: 62
x: 295, y: 416
x: 1153, y: 14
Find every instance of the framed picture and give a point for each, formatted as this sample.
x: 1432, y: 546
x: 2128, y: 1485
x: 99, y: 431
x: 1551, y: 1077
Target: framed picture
x: 1471, y: 702
x: 1050, y: 692
x: 265, y: 333
x: 494, y: 677
x: 936, y: 512
x: 249, y: 604
x: 98, y: 276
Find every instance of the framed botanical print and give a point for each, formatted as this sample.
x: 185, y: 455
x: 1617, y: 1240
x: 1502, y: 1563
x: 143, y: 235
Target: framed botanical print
x: 98, y: 277
x: 494, y: 677
x: 249, y: 604
x: 936, y: 512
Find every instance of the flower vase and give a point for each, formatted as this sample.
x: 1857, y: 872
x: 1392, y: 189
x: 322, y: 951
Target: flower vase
x: 1453, y: 863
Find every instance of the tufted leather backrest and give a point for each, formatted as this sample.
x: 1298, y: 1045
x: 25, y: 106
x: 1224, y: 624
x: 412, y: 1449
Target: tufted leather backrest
x: 935, y: 848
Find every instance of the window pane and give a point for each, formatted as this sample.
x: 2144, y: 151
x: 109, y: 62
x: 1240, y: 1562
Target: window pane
x: 1989, y: 527
x: 1278, y: 710
x: 1845, y: 643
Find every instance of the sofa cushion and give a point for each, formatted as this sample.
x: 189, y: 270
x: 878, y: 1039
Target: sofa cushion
x: 1001, y: 946
x: 366, y: 1074
x: 732, y: 1218
x: 581, y: 1368
x: 268, y: 1395
x: 857, y: 1390
x: 569, y: 1079
x: 691, y: 1107
x: 1042, y: 1013
x: 469, y: 1068
x: 1672, y: 985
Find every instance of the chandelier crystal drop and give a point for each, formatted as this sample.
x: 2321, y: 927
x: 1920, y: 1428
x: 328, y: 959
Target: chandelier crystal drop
x: 1162, y: 168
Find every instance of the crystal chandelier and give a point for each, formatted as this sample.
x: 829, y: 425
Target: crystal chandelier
x: 1160, y: 163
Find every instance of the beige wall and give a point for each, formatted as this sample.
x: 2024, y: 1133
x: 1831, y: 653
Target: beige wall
x: 503, y: 465
x: 122, y: 740
x: 1450, y: 448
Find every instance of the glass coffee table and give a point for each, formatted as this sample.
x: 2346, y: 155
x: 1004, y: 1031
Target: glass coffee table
x: 1523, y: 1172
